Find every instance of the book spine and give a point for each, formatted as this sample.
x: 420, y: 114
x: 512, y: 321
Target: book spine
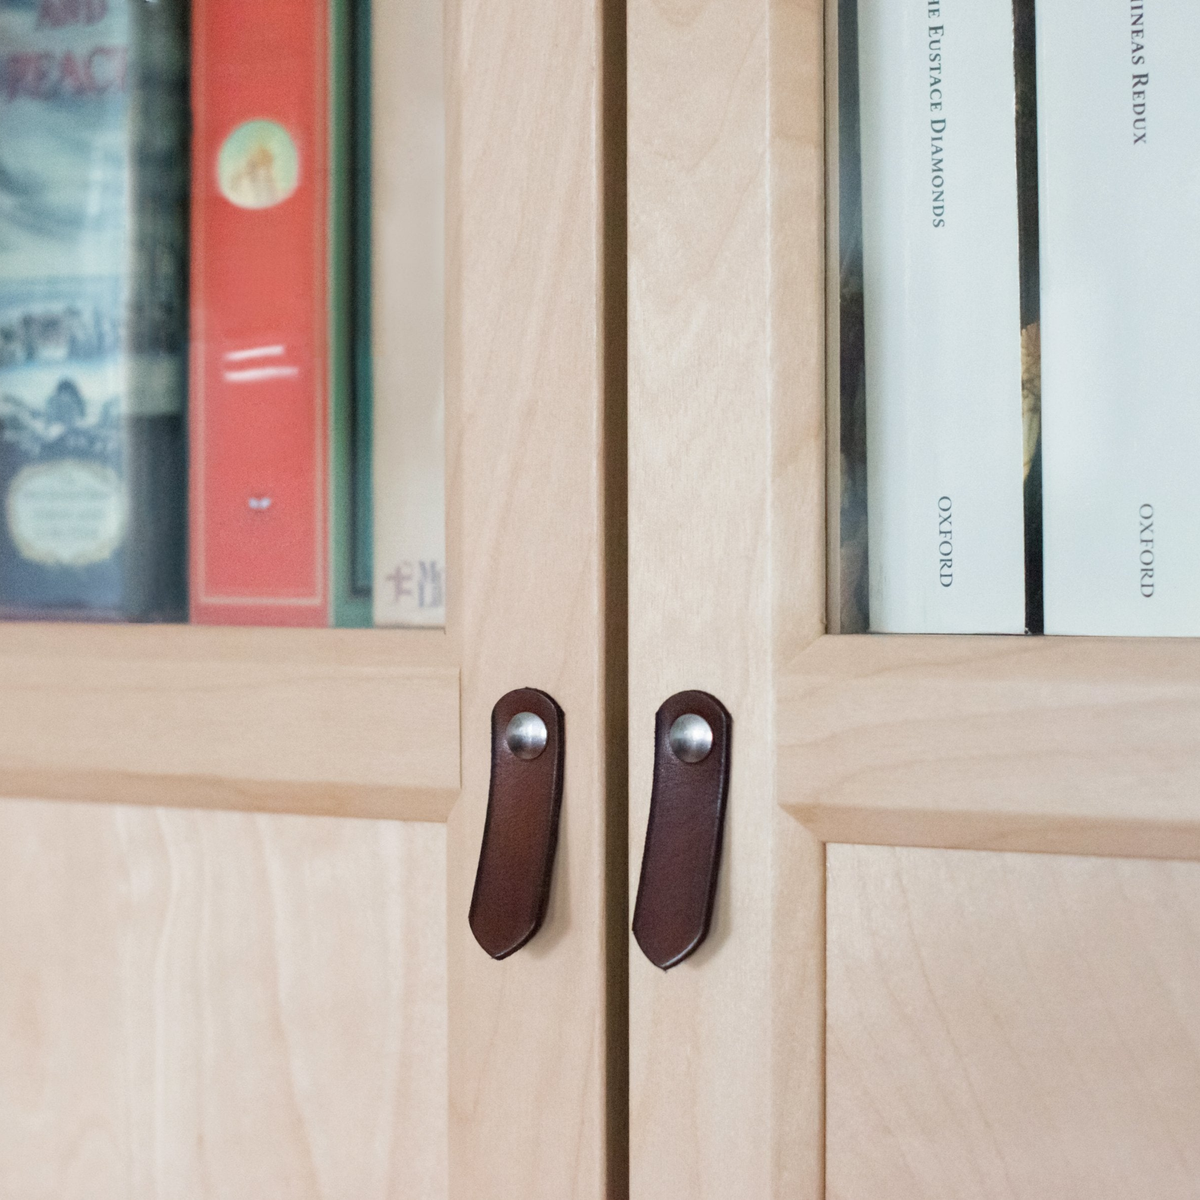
x: 93, y: 244
x: 350, y: 354
x: 941, y: 296
x: 1119, y: 139
x: 260, y: 313
x: 407, y: 302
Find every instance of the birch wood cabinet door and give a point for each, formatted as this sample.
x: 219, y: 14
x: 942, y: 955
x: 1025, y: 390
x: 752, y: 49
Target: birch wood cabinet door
x: 236, y: 864
x: 956, y: 932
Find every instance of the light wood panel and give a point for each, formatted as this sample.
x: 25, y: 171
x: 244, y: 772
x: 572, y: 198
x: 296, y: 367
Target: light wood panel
x: 726, y: 552
x: 527, y: 379
x: 220, y: 1005
x: 356, y: 722
x: 1011, y: 1025
x: 1087, y: 745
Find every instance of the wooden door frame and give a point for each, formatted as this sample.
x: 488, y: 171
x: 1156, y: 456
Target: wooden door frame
x: 536, y: 1095
x: 396, y: 724
x: 1066, y: 745
x: 727, y: 568
x: 1086, y: 746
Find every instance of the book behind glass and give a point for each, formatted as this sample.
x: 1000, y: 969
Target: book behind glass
x: 93, y: 238
x: 1119, y: 173
x: 350, y: 531
x: 407, y: 312
x: 942, y: 321
x: 262, y: 259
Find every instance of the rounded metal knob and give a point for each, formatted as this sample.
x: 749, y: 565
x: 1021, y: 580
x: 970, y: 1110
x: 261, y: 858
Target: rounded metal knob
x: 691, y: 738
x: 526, y: 735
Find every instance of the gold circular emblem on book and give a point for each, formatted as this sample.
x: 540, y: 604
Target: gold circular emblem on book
x: 258, y: 165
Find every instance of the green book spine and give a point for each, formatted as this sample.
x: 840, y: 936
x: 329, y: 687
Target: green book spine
x: 350, y: 308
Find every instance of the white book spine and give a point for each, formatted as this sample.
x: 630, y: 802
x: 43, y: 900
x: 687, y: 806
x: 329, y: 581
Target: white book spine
x: 408, y: 306
x: 941, y: 292
x: 1119, y: 181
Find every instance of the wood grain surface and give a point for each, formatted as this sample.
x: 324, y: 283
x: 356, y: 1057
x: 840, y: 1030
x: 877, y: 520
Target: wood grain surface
x: 1011, y: 1026
x: 726, y: 560
x: 527, y: 393
x: 220, y: 1005
x: 346, y: 721
x: 229, y: 1005
x: 1082, y: 745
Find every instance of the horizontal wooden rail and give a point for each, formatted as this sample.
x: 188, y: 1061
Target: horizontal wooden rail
x: 1064, y: 745
x: 345, y: 722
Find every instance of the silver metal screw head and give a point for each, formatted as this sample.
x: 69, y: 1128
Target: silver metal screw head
x: 691, y: 738
x: 526, y: 735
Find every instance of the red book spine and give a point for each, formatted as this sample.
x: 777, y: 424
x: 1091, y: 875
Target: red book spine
x: 259, y: 312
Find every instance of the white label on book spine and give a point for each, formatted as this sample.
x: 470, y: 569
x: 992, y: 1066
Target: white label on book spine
x: 942, y: 309
x: 1119, y: 175
x: 408, y: 305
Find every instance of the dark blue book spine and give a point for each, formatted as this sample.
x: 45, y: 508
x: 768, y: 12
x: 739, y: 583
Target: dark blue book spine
x: 93, y: 270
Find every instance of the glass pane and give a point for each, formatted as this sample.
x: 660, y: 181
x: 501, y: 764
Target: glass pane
x: 93, y: 317
x: 221, y: 312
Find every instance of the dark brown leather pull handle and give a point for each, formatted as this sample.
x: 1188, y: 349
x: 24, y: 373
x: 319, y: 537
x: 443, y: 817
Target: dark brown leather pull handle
x: 512, y: 884
x: 678, y: 884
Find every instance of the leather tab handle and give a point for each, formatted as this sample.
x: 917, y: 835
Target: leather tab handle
x: 516, y: 858
x: 678, y: 884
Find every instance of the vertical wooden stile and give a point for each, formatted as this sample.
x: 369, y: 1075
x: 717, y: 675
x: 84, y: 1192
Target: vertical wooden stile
x: 727, y: 567
x: 526, y: 373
